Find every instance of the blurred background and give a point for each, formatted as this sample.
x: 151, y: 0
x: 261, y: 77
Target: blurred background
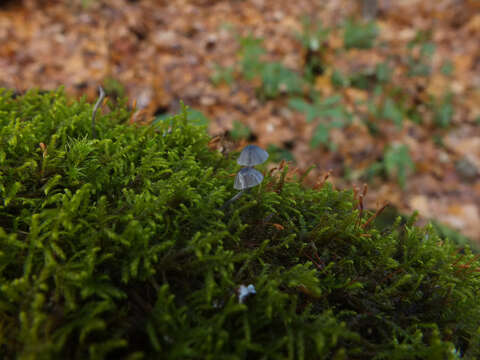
x: 384, y: 93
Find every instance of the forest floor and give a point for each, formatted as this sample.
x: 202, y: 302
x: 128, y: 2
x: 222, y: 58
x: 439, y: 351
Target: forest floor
x: 396, y: 106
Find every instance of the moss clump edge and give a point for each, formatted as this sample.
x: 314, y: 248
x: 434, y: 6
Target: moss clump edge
x: 118, y: 247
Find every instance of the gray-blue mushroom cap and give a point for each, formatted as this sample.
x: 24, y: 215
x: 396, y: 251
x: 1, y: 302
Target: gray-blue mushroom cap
x: 247, y: 177
x: 252, y: 155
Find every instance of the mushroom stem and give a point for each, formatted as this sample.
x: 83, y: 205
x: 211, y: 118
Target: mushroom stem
x: 95, y: 108
x: 233, y: 198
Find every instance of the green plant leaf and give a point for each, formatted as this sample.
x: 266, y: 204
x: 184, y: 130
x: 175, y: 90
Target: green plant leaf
x: 359, y: 35
x: 320, y: 135
x: 240, y: 130
x: 398, y: 163
x: 392, y: 112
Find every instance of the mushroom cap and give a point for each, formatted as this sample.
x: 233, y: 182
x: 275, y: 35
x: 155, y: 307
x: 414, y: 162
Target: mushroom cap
x: 247, y: 177
x: 245, y: 291
x: 252, y: 155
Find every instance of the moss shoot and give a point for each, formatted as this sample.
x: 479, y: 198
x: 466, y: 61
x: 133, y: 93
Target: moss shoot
x: 117, y: 247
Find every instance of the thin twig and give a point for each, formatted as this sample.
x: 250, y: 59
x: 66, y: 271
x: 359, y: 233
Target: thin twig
x: 95, y: 108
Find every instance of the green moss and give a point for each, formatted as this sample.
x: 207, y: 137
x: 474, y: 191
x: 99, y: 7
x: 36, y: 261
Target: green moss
x: 116, y: 247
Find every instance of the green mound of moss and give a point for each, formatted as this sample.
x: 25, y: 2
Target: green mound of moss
x: 118, y: 248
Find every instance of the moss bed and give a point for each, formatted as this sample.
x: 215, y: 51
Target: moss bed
x: 118, y: 248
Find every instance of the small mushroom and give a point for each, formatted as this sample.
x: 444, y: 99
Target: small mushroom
x: 252, y: 155
x: 246, y: 178
x: 245, y: 291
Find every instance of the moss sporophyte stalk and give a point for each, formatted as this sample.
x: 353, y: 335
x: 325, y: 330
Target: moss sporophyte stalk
x: 118, y: 247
